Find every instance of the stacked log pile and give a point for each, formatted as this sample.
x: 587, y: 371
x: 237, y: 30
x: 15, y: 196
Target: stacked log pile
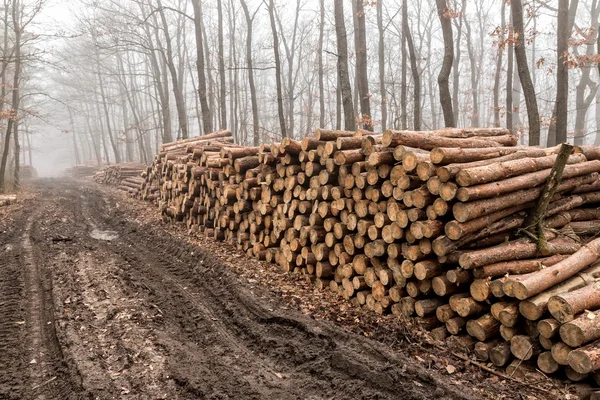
x: 427, y: 224
x: 82, y: 171
x: 126, y: 176
x: 27, y: 172
x: 7, y: 199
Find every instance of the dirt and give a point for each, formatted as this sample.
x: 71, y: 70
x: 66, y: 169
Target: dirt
x: 100, y: 300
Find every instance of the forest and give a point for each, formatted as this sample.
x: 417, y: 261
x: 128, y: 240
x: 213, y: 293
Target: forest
x: 109, y: 81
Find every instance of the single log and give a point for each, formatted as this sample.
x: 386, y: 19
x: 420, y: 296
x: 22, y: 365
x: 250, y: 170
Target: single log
x: 560, y: 352
x: 548, y: 327
x: 467, y: 155
x: 585, y: 359
x: 440, y: 333
x: 444, y: 313
x: 546, y: 343
x: 443, y: 287
x: 480, y: 289
x: 455, y: 325
x: 472, y: 132
x: 483, y: 328
x: 468, y: 307
x: 429, y: 140
x: 582, y: 329
x: 516, y: 267
x: 507, y: 333
x: 546, y: 363
x: 427, y: 269
x: 427, y: 306
x: 524, y: 347
x: 331, y: 135
x: 500, y: 354
x: 565, y: 306
x: 515, y: 250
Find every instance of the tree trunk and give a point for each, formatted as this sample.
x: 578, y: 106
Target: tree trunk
x: 342, y: 66
x: 456, y: 62
x: 320, y: 65
x: 414, y: 69
x: 404, y: 85
x: 583, y: 102
x: 202, y: 92
x: 222, y: 67
x: 169, y: 59
x: 524, y: 75
x: 280, y: 113
x: 509, y: 79
x: 498, y: 73
x: 562, y: 71
x: 381, y: 59
x: 474, y: 76
x: 444, y: 75
x: 255, y: 127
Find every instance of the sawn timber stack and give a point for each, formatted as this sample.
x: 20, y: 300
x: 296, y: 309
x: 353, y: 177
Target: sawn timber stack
x: 417, y: 224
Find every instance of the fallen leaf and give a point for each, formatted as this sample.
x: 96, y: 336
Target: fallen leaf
x: 451, y: 369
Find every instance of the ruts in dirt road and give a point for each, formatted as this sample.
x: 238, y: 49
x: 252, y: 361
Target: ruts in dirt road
x: 96, y: 305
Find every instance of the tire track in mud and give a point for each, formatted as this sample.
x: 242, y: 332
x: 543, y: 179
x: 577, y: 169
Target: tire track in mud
x: 307, y: 357
x: 12, y: 321
x: 31, y: 356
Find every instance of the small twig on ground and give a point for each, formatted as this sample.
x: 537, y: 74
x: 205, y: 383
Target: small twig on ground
x: 43, y: 383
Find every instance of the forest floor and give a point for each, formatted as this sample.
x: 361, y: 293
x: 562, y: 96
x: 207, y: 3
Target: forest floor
x: 99, y: 299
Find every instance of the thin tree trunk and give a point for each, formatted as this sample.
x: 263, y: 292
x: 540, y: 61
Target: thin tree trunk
x: 280, y: 113
x: 501, y: 45
x: 169, y: 60
x: 360, y: 44
x: 222, y: 67
x: 456, y: 63
x: 583, y: 102
x: 524, y: 75
x: 207, y: 126
x: 474, y: 77
x: 16, y: 94
x: 249, y: 21
x: 562, y: 71
x: 381, y: 59
x: 443, y: 77
x: 403, y: 87
x: 414, y: 69
x: 320, y: 65
x: 342, y: 64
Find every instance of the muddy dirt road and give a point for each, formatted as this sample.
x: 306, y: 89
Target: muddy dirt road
x: 96, y: 305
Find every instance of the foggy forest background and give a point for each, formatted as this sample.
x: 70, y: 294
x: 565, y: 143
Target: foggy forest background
x: 96, y: 81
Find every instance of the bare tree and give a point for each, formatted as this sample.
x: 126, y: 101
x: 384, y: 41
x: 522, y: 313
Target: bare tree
x: 414, y: 69
x: 524, y: 75
x: 381, y: 60
x: 277, y: 71
x: 342, y: 64
x: 223, y: 96
x: 202, y: 92
x: 444, y: 75
x: 249, y: 21
x: 501, y: 43
x: 320, y: 64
